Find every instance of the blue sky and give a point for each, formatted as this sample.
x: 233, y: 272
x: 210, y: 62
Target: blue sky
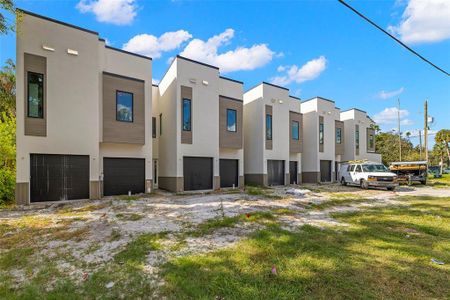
x: 312, y: 47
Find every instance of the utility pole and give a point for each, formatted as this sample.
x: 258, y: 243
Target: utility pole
x: 399, y: 132
x: 425, y: 129
x: 420, y: 143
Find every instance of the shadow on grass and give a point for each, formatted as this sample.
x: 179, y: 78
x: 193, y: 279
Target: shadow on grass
x: 374, y: 258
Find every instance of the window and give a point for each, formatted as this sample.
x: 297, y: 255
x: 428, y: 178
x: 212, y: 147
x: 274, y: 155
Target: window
x: 269, y: 127
x: 338, y: 135
x: 358, y: 169
x: 187, y: 114
x: 357, y: 137
x: 371, y: 142
x: 321, y: 133
x: 295, y: 130
x: 35, y: 95
x: 160, y: 124
x: 124, y: 106
x: 231, y: 120
x: 154, y: 127
x: 350, y: 168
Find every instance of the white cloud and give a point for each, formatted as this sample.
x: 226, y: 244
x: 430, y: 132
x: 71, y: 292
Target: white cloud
x: 389, y: 94
x: 424, y: 21
x: 309, y: 71
x: 118, y: 12
x: 241, y: 58
x: 390, y: 116
x: 150, y: 45
x: 155, y: 81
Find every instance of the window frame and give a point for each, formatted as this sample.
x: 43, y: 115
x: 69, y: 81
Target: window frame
x: 360, y: 169
x: 339, y: 129
x: 357, y: 138
x: 321, y: 134
x: 269, y: 138
x: 297, y: 131
x: 371, y: 141
x: 190, y: 114
x: 132, y: 106
x: 160, y: 124
x: 28, y: 94
x: 235, y: 120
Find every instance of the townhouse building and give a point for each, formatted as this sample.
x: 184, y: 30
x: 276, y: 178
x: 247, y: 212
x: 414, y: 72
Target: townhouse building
x: 273, y: 136
x: 199, y: 128
x: 324, y: 140
x: 82, y: 130
x: 360, y: 136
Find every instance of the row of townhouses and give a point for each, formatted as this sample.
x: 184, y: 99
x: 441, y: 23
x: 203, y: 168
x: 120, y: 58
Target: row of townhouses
x: 90, y: 123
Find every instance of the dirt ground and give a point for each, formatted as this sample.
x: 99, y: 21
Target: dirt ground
x: 93, y: 232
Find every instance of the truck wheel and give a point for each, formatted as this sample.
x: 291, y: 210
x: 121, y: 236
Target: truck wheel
x: 364, y: 184
x: 390, y: 188
x: 343, y: 181
x: 424, y: 182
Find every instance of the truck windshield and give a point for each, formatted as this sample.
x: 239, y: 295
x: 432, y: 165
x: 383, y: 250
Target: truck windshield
x: 374, y: 168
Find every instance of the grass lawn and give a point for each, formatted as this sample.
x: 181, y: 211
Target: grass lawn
x: 442, y: 182
x: 383, y: 253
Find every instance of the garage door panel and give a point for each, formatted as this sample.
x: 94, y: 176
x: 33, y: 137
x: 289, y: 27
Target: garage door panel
x: 198, y: 173
x: 229, y: 172
x: 275, y: 172
x: 58, y: 177
x: 122, y: 175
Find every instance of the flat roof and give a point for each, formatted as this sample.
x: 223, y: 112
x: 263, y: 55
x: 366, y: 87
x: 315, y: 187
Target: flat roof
x: 270, y: 84
x: 318, y: 97
x: 197, y: 62
x: 354, y: 109
x: 234, y: 80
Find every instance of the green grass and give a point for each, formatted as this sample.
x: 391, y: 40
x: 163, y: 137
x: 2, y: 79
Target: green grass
x: 384, y: 253
x: 443, y: 182
x: 338, y: 199
x: 261, y: 191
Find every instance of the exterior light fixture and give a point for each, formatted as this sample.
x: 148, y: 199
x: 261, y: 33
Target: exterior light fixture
x: 205, y: 82
x: 192, y: 80
x: 45, y: 47
x: 72, y: 52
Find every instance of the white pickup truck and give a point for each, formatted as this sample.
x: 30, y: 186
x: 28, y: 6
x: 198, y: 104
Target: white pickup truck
x: 366, y: 174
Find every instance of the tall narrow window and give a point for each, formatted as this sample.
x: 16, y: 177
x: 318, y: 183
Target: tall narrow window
x: 357, y: 137
x: 295, y: 130
x: 35, y: 95
x: 124, y: 106
x: 269, y: 127
x: 321, y: 133
x: 231, y: 120
x: 154, y: 127
x: 187, y: 114
x: 160, y: 124
x: 338, y: 135
x: 371, y: 142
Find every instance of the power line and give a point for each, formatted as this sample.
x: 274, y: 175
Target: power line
x: 394, y: 38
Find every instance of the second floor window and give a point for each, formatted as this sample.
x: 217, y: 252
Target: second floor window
x: 371, y: 141
x: 357, y: 137
x: 160, y: 124
x: 124, y: 106
x: 35, y: 95
x: 187, y: 114
x: 338, y: 135
x: 231, y: 120
x: 321, y: 133
x: 269, y: 127
x: 295, y: 130
x: 154, y: 127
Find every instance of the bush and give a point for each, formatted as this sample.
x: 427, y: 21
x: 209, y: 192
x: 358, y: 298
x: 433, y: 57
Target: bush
x: 7, y: 185
x: 7, y: 158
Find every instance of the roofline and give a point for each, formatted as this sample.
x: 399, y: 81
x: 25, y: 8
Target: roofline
x: 318, y: 97
x: 354, y: 109
x: 231, y: 98
x: 295, y: 97
x: 234, y: 80
x: 155, y: 85
x: 270, y: 84
x: 197, y: 62
x: 127, y: 52
x: 56, y: 21
x: 123, y: 76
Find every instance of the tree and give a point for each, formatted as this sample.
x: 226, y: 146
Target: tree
x: 7, y: 157
x: 388, y: 146
x: 8, y: 89
x: 437, y: 155
x: 443, y: 136
x: 5, y: 25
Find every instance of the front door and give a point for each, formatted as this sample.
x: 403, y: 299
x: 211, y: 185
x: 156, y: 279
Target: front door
x: 325, y: 170
x: 293, y: 171
x: 155, y: 173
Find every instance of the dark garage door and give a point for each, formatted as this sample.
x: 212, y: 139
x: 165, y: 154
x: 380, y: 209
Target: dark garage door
x: 229, y: 172
x: 58, y: 177
x: 275, y: 171
x: 293, y: 172
x: 198, y: 173
x: 325, y: 170
x: 121, y: 175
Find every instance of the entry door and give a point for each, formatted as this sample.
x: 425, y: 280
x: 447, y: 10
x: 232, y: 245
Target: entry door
x: 122, y: 175
x: 198, y: 173
x: 58, y: 177
x: 336, y: 171
x: 229, y: 173
x: 275, y: 172
x: 293, y: 171
x: 325, y: 170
